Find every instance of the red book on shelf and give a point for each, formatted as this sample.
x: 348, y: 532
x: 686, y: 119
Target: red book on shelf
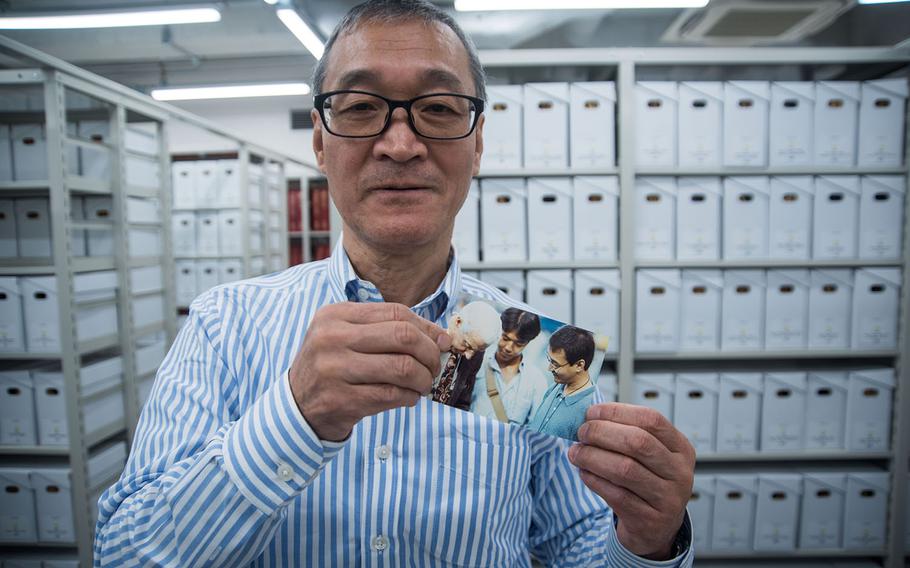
x: 295, y: 253
x: 294, y: 210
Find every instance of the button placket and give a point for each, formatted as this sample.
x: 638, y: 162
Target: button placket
x: 380, y: 543
x: 284, y: 472
x: 383, y: 452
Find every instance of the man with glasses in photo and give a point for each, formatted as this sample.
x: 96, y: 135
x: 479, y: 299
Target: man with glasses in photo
x: 288, y: 424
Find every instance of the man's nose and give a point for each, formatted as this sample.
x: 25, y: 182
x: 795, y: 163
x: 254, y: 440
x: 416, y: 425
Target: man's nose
x: 399, y: 142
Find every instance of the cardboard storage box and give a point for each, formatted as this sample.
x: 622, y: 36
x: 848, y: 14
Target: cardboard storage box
x: 510, y: 282
x: 865, y: 510
x: 466, y: 235
x: 9, y: 246
x: 184, y: 232
x: 881, y: 215
x: 655, y: 218
x: 595, y: 218
x: 96, y: 162
x: 185, y: 285
x: 549, y: 219
x: 826, y: 409
x: 546, y: 125
x: 738, y: 409
x: 701, y: 510
x: 17, y: 408
x: 100, y: 242
x: 502, y: 137
x: 734, y: 512
x: 230, y: 270
x: 698, y: 204
x: 695, y: 409
x: 597, y: 303
x: 207, y: 275
x: 550, y: 291
x: 830, y: 303
x: 790, y: 217
x: 229, y: 237
x: 746, y: 123
x: 701, y: 108
x: 6, y: 154
x: 743, y: 310
x: 876, y: 296
x: 207, y: 233
x: 54, y: 504
x: 783, y: 411
x: 29, y: 152
x: 145, y: 279
x: 657, y: 310
x: 229, y: 192
x: 822, y: 510
x: 745, y: 217
x: 869, y: 403
x: 184, y: 185
x: 33, y: 227
x: 608, y: 387
x: 592, y: 124
x: 503, y: 220
x: 17, y: 506
x: 836, y: 122
x: 777, y: 510
x: 148, y: 310
x: 655, y: 123
x: 787, y: 309
x: 882, y: 110
x: 655, y: 390
x: 792, y: 114
x: 12, y: 327
x: 836, y: 217
x: 700, y: 305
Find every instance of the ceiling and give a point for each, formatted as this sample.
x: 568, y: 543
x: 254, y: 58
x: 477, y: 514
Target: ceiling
x: 250, y: 44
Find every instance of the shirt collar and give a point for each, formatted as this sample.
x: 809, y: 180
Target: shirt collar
x: 346, y: 285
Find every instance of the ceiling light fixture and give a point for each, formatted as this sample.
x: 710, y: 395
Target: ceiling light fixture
x: 489, y: 5
x: 292, y: 20
x: 882, y: 1
x: 230, y: 91
x: 113, y: 19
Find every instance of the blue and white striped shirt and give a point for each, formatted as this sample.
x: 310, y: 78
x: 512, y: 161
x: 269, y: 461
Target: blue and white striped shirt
x: 224, y: 470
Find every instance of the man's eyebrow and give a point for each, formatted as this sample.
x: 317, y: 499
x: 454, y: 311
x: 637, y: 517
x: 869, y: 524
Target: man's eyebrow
x: 357, y: 77
x: 431, y: 78
x: 444, y: 78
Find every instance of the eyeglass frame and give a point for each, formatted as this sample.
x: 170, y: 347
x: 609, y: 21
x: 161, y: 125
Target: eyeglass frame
x: 319, y: 102
x: 551, y: 364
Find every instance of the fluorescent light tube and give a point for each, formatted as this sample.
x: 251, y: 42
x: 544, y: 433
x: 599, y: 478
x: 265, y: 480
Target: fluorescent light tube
x: 113, y: 19
x: 230, y: 92
x: 882, y: 1
x: 489, y: 5
x: 292, y: 20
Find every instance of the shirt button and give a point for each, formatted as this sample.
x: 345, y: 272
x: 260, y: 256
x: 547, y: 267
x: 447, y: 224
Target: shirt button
x: 284, y: 472
x: 383, y: 452
x: 363, y: 295
x: 380, y: 543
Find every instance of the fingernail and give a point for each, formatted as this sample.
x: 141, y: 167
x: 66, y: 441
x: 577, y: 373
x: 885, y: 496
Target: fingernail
x: 573, y: 449
x: 444, y: 341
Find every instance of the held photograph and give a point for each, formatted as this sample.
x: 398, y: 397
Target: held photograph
x: 517, y: 367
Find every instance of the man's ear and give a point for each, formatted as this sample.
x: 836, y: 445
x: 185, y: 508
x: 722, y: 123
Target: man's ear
x: 318, y: 148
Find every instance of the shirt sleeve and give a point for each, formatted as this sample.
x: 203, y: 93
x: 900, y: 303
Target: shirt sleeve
x: 205, y: 484
x: 572, y: 526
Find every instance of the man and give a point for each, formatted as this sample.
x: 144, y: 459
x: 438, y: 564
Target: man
x: 288, y: 425
x: 471, y: 330
x: 562, y: 411
x: 507, y: 389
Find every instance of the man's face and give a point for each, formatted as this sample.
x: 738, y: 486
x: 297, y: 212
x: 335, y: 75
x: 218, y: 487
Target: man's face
x: 510, y: 346
x: 398, y: 190
x: 466, y: 344
x: 563, y: 373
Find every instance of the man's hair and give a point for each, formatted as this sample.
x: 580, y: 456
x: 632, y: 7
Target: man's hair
x: 575, y: 342
x: 526, y: 325
x: 393, y: 12
x: 481, y: 319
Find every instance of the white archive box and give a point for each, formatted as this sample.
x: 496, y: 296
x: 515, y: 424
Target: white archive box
x: 185, y: 285
x: 229, y: 239
x: 53, y: 504
x: 9, y: 247
x: 787, y: 309
x: 549, y: 219
x: 790, y: 132
x: 826, y: 409
x: 777, y: 511
x: 99, y: 242
x: 881, y: 213
x: 695, y: 409
x: 29, y: 151
x: 228, y: 173
x: 17, y: 408
x: 608, y: 386
x: 701, y: 510
x: 229, y: 270
x: 655, y: 390
x: 830, y: 304
x: 734, y: 511
x: 657, y: 308
x: 207, y: 183
x: 700, y: 310
x: 145, y: 279
x: 142, y: 171
x: 783, y: 411
x: 882, y: 110
x: 142, y: 138
x: 466, y: 235
x: 6, y: 154
x: 12, y: 325
x: 140, y: 210
x: 96, y: 162
x: 790, y: 217
x: 257, y: 265
x: 655, y: 123
x: 655, y: 218
x: 502, y: 138
x: 865, y: 510
x: 144, y: 242
x: 147, y: 310
x: 207, y: 275
x: 503, y: 220
x: 836, y: 217
x: 698, y: 203
x: 822, y: 510
x: 876, y: 296
x: 592, y: 124
x: 836, y: 123
x: 546, y: 125
x: 150, y: 352
x: 550, y: 291
x: 18, y: 522
x: 78, y: 246
x: 743, y: 310
x: 869, y: 403
x: 33, y: 227
x: 701, y: 108
x: 746, y: 123
x: 597, y: 303
x: 511, y: 282
x: 738, y: 409
x: 745, y: 217
x: 184, y: 182
x: 207, y: 233
x: 595, y: 217
x: 184, y: 232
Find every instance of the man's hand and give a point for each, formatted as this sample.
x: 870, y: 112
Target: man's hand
x: 361, y: 359
x: 643, y: 468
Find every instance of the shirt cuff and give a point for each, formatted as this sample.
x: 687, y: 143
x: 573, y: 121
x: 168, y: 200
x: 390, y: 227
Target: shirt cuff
x: 271, y: 453
x: 620, y: 556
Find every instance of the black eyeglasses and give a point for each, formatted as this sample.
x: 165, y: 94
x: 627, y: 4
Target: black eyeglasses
x: 554, y: 365
x: 360, y: 114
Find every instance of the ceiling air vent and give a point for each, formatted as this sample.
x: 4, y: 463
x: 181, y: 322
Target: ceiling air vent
x: 754, y: 22
x: 300, y: 120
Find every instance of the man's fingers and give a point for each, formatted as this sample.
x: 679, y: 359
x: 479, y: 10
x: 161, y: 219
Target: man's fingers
x: 377, y: 312
x: 400, y: 370
x: 644, y: 418
x: 631, y: 441
x: 622, y: 471
x: 397, y: 337
x: 623, y: 502
x: 377, y: 398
